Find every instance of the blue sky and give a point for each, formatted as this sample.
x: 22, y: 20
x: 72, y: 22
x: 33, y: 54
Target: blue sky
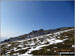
x: 20, y: 17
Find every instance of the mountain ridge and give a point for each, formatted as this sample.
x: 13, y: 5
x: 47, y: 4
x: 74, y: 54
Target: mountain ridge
x: 46, y: 44
x: 35, y: 33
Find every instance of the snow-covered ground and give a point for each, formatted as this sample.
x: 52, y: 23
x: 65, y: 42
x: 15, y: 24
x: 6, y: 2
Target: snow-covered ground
x: 51, y: 41
x: 36, y: 43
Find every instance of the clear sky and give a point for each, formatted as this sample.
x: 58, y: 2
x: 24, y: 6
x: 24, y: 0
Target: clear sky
x: 20, y: 17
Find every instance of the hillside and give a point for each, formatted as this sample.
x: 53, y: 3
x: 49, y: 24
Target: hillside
x: 41, y: 42
x: 35, y: 33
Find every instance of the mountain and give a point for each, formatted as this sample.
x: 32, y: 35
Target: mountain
x: 40, y: 42
x: 35, y: 33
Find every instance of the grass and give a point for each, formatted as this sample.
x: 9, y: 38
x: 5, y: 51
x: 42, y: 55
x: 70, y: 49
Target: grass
x: 20, y: 51
x: 44, y: 51
x: 67, y: 45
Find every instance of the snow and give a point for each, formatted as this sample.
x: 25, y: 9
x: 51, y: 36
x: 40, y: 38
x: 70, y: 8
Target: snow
x: 58, y: 37
x: 40, y: 46
x: 46, y: 38
x: 66, y: 36
x: 54, y: 51
x: 51, y: 41
x: 21, y: 49
x: 48, y: 49
x: 63, y: 43
x: 32, y: 43
x: 20, y: 46
x: 9, y: 44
